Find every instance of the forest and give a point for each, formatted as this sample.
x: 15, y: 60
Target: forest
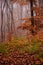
x: 21, y: 32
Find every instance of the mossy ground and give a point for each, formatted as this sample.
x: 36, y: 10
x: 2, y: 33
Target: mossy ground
x: 22, y: 46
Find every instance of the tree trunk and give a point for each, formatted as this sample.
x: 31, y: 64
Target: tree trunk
x: 12, y: 21
x: 1, y: 23
x: 32, y: 14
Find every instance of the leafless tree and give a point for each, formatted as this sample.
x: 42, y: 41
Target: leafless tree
x: 1, y: 21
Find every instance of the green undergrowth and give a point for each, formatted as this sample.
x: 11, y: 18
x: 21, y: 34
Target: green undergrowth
x: 23, y: 46
x: 39, y: 55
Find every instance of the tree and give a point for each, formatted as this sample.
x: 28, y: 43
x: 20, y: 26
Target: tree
x: 35, y: 25
x: 1, y: 21
x: 11, y: 25
x: 8, y: 4
x: 32, y: 14
x: 13, y: 31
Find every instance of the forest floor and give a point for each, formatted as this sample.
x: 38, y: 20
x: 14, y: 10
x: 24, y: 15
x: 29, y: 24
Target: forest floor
x: 20, y: 52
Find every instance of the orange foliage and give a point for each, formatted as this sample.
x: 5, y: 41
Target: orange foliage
x: 14, y: 0
x: 35, y: 17
x: 22, y: 2
x: 25, y: 25
x: 39, y: 36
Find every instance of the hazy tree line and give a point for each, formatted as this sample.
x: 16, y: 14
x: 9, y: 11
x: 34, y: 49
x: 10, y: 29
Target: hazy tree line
x: 7, y: 6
